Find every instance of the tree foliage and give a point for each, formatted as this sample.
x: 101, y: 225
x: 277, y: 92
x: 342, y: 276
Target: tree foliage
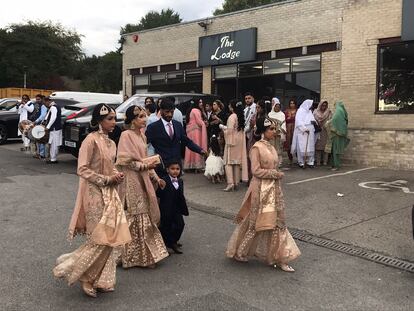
x: 237, y: 5
x: 42, y: 49
x: 101, y: 73
x: 153, y: 19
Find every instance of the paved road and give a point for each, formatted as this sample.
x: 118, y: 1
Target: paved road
x: 35, y: 207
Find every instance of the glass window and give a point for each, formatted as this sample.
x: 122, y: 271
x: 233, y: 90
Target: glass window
x: 175, y: 77
x: 306, y: 63
x: 157, y: 78
x: 141, y: 80
x: 251, y: 70
x: 276, y: 66
x: 223, y: 72
x: 396, y: 78
x: 194, y: 75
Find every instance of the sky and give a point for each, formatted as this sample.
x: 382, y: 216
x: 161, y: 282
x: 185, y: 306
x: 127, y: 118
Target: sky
x: 99, y: 21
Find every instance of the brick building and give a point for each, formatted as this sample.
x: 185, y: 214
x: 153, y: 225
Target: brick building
x: 357, y: 51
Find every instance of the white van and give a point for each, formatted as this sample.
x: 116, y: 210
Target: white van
x: 87, y: 96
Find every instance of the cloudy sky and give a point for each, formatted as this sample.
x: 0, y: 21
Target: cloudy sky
x: 100, y: 21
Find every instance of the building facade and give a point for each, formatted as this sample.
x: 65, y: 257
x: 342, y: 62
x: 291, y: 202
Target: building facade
x: 358, y: 51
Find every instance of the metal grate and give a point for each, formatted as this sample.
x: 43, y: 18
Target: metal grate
x: 324, y: 242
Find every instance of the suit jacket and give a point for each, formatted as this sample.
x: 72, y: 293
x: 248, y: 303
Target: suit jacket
x: 172, y: 201
x: 167, y: 148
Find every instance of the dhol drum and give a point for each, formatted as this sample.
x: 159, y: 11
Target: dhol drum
x: 40, y: 134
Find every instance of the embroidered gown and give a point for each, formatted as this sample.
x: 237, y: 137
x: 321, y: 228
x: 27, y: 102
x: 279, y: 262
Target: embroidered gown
x: 262, y: 232
x: 197, y: 132
x: 99, y: 214
x: 138, y: 196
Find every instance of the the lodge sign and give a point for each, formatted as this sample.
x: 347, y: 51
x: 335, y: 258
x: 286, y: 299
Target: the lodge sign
x: 227, y: 48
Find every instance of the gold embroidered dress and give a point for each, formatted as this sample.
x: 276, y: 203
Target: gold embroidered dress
x: 138, y: 196
x: 99, y: 214
x: 262, y: 231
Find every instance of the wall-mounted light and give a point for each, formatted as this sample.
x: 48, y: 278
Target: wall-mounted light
x: 205, y: 23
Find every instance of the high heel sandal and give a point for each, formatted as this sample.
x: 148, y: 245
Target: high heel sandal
x: 284, y: 267
x: 89, y: 290
x: 229, y: 188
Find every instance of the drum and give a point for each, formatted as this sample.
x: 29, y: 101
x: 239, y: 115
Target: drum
x: 40, y: 134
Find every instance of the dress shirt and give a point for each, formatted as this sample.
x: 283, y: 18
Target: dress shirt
x: 43, y: 112
x: 166, y: 126
x: 175, y: 182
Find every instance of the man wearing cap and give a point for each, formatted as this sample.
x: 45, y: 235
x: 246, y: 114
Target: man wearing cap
x: 54, y: 127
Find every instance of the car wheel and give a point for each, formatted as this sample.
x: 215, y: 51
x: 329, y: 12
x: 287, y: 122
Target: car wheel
x: 75, y: 152
x: 3, y: 134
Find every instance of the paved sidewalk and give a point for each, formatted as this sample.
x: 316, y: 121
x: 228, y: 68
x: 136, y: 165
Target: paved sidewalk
x: 376, y: 219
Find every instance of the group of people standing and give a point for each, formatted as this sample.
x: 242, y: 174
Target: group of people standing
x: 41, y: 111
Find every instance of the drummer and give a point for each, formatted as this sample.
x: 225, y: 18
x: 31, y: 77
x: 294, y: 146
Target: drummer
x: 54, y: 127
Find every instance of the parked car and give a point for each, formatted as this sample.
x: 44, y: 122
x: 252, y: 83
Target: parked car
x: 76, y: 125
x: 9, y: 119
x: 75, y: 130
x: 88, y: 96
x: 8, y: 103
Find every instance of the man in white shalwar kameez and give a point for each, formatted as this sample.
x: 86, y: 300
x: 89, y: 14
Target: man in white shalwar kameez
x: 54, y: 126
x: 303, y: 143
x: 25, y: 107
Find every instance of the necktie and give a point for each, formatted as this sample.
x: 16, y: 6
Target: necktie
x: 247, y: 113
x: 170, y: 130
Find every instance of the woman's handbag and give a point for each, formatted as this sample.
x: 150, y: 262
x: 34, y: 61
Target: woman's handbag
x: 155, y: 159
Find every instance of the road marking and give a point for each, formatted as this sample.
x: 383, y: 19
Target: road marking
x: 332, y: 175
x: 385, y: 186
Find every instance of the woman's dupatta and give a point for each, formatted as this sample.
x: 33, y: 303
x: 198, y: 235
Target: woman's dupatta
x: 132, y: 147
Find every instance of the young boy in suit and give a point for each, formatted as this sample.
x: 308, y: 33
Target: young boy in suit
x: 173, y: 207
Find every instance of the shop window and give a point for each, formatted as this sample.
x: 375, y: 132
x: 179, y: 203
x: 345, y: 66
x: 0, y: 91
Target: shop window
x: 175, y: 77
x: 276, y: 66
x: 251, y: 70
x: 306, y: 63
x: 396, y: 78
x: 224, y: 72
x: 194, y: 75
x: 141, y: 80
x: 157, y: 78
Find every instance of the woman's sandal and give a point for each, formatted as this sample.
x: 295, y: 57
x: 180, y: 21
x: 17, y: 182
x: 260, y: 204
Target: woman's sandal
x: 89, y: 290
x: 106, y: 290
x: 240, y: 259
x: 285, y: 267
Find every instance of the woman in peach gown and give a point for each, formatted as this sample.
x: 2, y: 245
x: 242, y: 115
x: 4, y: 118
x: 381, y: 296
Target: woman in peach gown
x: 137, y: 193
x: 196, y: 131
x: 98, y: 212
x: 261, y: 229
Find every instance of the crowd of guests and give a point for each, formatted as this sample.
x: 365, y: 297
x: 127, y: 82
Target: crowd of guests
x: 41, y: 111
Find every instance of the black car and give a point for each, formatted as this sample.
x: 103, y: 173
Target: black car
x: 9, y: 120
x: 76, y: 130
x: 76, y: 125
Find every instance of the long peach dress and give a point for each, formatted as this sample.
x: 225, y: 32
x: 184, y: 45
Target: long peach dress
x: 138, y: 196
x: 262, y: 232
x: 99, y: 214
x: 197, y: 132
x: 235, y: 149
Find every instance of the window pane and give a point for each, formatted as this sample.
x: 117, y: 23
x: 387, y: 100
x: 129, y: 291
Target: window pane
x: 396, y: 78
x: 306, y: 63
x: 276, y: 66
x: 225, y: 72
x: 175, y: 77
x: 194, y: 75
x: 157, y: 78
x: 249, y: 70
x: 141, y: 80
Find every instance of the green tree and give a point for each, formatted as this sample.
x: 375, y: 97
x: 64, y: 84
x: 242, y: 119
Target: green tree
x: 151, y: 20
x: 101, y: 73
x: 45, y: 50
x: 237, y: 5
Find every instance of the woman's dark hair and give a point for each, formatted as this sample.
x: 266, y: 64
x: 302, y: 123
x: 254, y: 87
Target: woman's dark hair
x: 193, y: 104
x: 266, y: 107
x: 150, y: 98
x: 130, y: 114
x: 97, y: 117
x: 294, y: 101
x: 151, y: 107
x: 260, y: 127
x: 215, y: 146
x: 219, y: 103
x: 238, y: 110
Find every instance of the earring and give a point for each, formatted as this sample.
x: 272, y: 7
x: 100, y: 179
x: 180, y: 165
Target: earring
x: 262, y: 136
x: 132, y: 127
x: 100, y: 128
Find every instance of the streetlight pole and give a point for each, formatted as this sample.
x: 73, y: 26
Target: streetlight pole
x: 24, y: 76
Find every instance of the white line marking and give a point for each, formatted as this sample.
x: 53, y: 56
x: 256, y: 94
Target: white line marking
x: 332, y: 175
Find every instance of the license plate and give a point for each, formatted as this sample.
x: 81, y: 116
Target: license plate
x: 70, y: 144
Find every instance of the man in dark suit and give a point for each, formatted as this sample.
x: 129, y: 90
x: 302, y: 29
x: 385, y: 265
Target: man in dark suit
x: 173, y: 207
x: 167, y: 135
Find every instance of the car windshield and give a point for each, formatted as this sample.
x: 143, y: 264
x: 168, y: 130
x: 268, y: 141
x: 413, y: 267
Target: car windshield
x: 134, y: 100
x: 8, y: 104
